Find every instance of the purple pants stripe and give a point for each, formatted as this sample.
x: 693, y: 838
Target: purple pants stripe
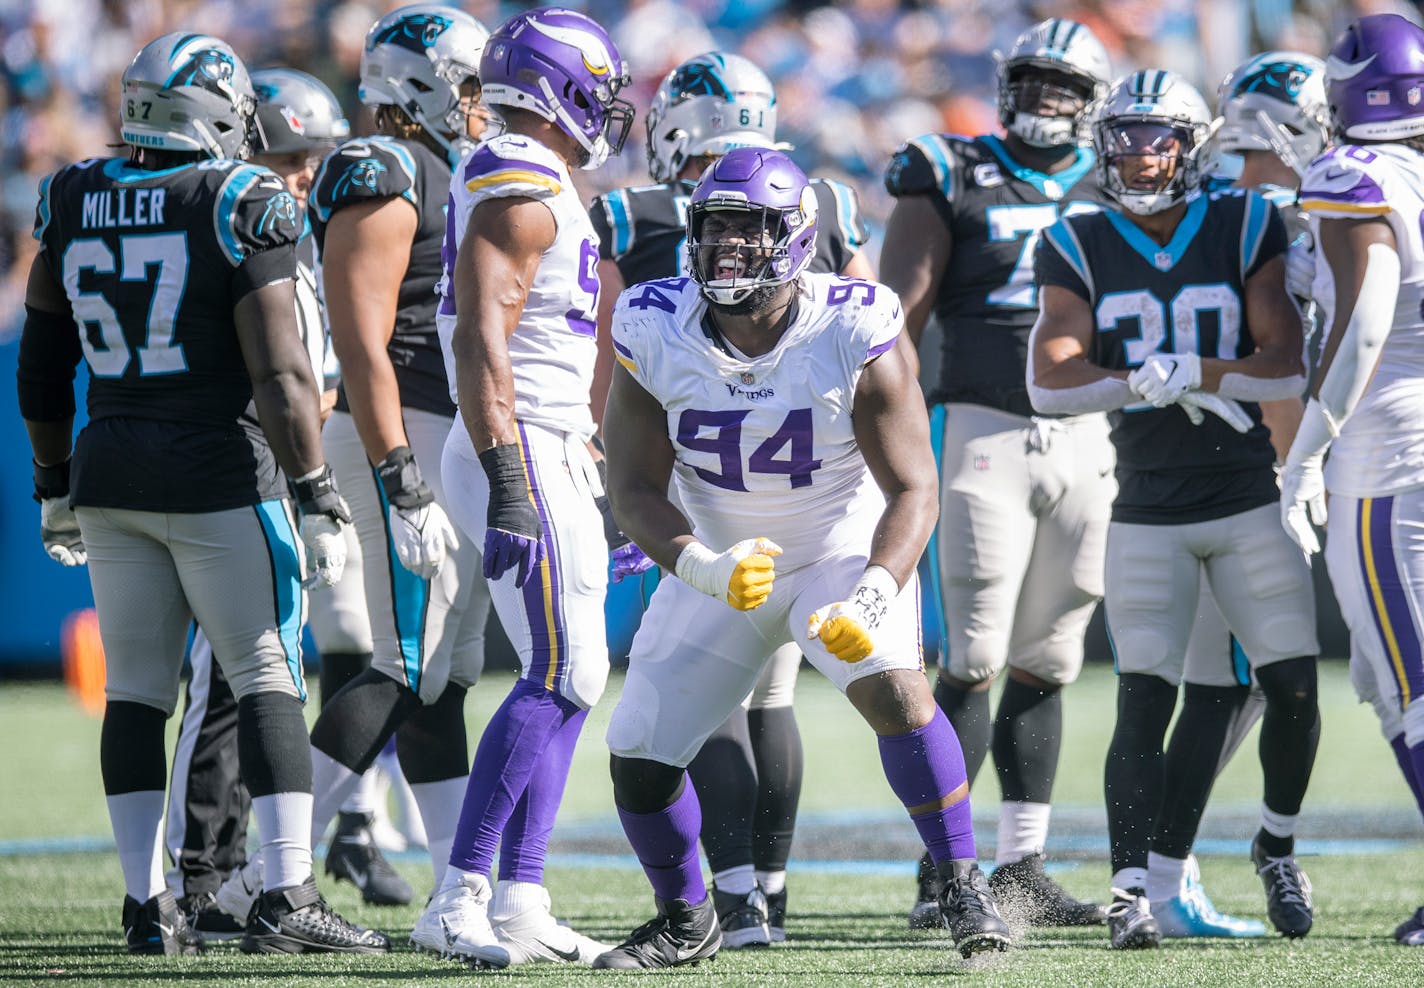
x: 542, y: 602
x: 1389, y: 598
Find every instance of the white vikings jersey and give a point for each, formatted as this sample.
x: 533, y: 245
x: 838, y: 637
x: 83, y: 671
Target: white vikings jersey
x: 1380, y: 450
x: 552, y: 352
x: 764, y: 445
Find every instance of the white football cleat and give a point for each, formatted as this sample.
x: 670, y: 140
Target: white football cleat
x: 236, y: 895
x: 527, y: 929
x: 456, y: 924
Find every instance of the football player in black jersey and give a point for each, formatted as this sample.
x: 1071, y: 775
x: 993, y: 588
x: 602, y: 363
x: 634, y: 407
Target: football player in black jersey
x: 171, y: 273
x: 1177, y: 298
x: 378, y: 214
x: 1016, y: 563
x: 748, y: 774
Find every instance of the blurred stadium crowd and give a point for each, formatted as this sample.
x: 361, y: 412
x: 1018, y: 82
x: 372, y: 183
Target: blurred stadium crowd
x: 854, y: 79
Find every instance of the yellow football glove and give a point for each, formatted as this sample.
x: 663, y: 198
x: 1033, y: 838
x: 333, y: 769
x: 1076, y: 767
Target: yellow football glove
x: 741, y: 577
x: 844, y: 627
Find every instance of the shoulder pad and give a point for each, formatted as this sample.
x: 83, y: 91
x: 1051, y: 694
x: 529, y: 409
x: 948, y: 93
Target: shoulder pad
x: 1346, y: 182
x: 923, y: 166
x: 871, y: 314
x: 512, y: 165
x: 254, y: 212
x: 640, y: 319
x: 363, y: 170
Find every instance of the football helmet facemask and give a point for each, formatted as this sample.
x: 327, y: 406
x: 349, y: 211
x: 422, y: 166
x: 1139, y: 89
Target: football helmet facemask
x: 1052, y: 73
x: 1149, y: 133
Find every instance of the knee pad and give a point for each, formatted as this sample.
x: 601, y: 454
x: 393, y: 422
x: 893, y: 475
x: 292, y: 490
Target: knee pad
x: 641, y: 785
x: 431, y: 743
x: 1413, y: 720
x: 586, y: 681
x: 272, y: 747
x: 1290, y: 684
x: 1145, y: 705
x: 131, y: 752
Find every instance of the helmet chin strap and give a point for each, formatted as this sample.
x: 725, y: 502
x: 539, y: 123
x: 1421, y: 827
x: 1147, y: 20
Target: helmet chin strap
x: 570, y: 127
x: 412, y: 109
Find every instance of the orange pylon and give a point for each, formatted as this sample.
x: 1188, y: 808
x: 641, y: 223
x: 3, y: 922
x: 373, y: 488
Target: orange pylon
x: 83, y: 654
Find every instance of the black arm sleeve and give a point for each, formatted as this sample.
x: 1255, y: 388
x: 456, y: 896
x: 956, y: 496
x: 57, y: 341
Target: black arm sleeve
x: 49, y: 352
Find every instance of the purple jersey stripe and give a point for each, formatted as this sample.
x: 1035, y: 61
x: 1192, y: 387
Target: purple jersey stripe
x: 485, y: 161
x: 1389, y: 598
x: 879, y: 348
x: 623, y: 349
x: 1363, y: 192
x: 542, y: 602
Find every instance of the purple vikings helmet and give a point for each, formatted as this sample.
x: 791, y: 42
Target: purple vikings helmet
x: 563, y: 66
x: 1374, y: 79
x: 762, y: 182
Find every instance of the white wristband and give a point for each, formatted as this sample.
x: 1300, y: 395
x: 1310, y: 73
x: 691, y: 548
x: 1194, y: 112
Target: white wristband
x: 695, y: 567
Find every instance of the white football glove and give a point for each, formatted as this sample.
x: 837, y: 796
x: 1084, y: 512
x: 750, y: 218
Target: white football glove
x: 422, y: 536
x: 59, y: 529
x: 1303, y: 500
x: 1165, y: 377
x: 845, y: 627
x: 1194, y: 403
x: 325, y: 538
x: 1300, y: 266
x: 741, y: 577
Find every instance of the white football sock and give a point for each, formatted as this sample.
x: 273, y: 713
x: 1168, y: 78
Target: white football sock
x: 137, y: 821
x: 738, y: 881
x: 512, y: 898
x: 440, y: 804
x: 332, y: 782
x: 1277, y: 824
x: 1129, y: 878
x: 771, y: 882
x: 363, y: 798
x: 1165, y: 876
x: 1023, y: 830
x: 283, y: 820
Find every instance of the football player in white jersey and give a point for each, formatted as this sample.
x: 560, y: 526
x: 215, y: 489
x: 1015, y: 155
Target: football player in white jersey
x: 781, y: 406
x: 1367, y: 408
x: 517, y: 321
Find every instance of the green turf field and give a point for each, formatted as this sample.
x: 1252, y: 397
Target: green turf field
x: 851, y: 876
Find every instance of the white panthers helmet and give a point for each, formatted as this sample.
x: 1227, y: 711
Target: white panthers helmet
x: 1275, y: 102
x: 415, y: 58
x: 1151, y: 113
x: 1058, y: 46
x: 188, y: 92
x: 709, y: 105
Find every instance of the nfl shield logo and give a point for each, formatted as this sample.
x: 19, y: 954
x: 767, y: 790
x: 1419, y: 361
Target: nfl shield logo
x: 1163, y: 260
x: 748, y: 378
x: 981, y: 462
x: 1412, y: 96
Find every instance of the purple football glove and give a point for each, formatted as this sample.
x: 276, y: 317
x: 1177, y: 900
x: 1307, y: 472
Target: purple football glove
x: 629, y: 560
x: 514, y: 538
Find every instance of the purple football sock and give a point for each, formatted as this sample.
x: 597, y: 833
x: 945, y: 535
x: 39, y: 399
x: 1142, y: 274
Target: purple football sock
x: 666, y: 845
x: 1411, y: 763
x: 509, y: 754
x: 525, y: 841
x: 926, y: 765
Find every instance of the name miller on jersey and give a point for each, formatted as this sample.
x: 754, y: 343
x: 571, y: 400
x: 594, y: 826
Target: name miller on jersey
x: 122, y: 207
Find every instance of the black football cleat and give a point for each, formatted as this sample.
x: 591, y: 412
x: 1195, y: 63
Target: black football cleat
x: 1025, y: 891
x: 681, y: 934
x: 297, y: 920
x: 158, y: 926
x: 1131, y: 925
x: 925, y: 913
x: 776, y: 915
x: 970, y: 913
x: 1288, y: 901
x: 743, y: 919
x: 354, y: 857
x: 1412, y: 927
x: 210, y: 921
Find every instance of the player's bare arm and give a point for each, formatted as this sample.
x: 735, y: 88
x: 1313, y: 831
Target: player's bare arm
x: 611, y: 285
x: 283, y: 388
x: 50, y: 440
x: 364, y: 258
x: 893, y: 433
x: 915, y: 256
x: 1349, y: 248
x: 859, y: 266
x: 494, y: 270
x: 640, y: 460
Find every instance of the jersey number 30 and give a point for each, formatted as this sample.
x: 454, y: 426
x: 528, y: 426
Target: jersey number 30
x: 139, y: 255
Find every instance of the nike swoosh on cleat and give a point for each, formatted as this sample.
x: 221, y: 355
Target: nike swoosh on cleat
x: 360, y: 879
x: 450, y: 938
x: 568, y: 955
x: 165, y: 930
x: 274, y: 929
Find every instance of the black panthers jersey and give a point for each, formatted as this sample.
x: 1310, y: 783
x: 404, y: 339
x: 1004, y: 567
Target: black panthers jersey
x: 644, y: 229
x: 1184, y: 297
x: 153, y: 263
x: 376, y: 168
x: 994, y: 209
